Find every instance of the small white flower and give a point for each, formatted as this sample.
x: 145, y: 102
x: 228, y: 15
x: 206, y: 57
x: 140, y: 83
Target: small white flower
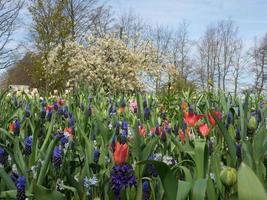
x: 110, y: 126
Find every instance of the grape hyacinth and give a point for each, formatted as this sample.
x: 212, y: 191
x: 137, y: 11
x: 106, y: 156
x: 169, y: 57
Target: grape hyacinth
x: 146, y: 190
x: 28, y: 145
x: 2, y: 156
x: 57, y: 157
x: 146, y: 113
x: 121, y: 178
x: 21, y: 184
x: 96, y: 155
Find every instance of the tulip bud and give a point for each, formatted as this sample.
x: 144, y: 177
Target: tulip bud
x: 228, y: 176
x: 252, y: 124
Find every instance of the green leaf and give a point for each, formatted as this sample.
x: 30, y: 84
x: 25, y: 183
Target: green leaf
x: 199, y: 189
x: 183, y: 190
x: 170, y: 184
x: 42, y: 193
x: 201, y: 159
x: 230, y: 143
x: 6, y: 178
x: 249, y: 186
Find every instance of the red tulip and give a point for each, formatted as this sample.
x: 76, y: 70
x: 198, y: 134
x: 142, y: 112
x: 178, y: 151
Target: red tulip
x: 191, y: 118
x: 204, y: 129
x: 11, y: 127
x: 212, y: 120
x: 120, y: 154
x: 182, y: 136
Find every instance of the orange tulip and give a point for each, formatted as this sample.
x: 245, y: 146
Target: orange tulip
x: 204, y: 129
x: 11, y: 127
x: 142, y: 131
x: 120, y: 154
x: 121, y: 110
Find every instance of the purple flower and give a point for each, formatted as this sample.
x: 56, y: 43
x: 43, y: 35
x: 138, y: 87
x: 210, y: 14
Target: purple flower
x: 176, y: 129
x: 146, y: 190
x: 49, y: 115
x: 144, y: 103
x: 124, y: 125
x: 28, y: 145
x: 157, y: 131
x: 121, y: 178
x: 89, y: 110
x: 71, y: 120
x: 184, y: 126
x: 117, y: 128
x: 258, y: 116
x: 57, y: 157
x: 55, y: 105
x: 64, y: 140
x: 17, y: 127
x: 2, y: 156
x: 21, y: 185
x: 123, y: 138
x: 237, y: 136
x: 230, y: 118
x: 163, y: 135
x: 96, y: 155
x: 191, y: 110
x: 238, y: 151
x: 146, y: 113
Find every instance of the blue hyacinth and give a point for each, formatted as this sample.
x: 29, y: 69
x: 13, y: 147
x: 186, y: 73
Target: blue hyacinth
x: 21, y: 185
x: 2, y: 156
x: 96, y: 155
x: 146, y: 190
x: 57, y: 157
x: 28, y: 145
x: 121, y: 178
x: 146, y: 113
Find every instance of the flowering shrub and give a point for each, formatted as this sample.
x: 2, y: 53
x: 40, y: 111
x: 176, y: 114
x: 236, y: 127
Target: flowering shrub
x: 100, y: 62
x: 78, y: 146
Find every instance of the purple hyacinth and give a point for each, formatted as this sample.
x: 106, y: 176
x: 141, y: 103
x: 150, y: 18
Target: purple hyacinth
x: 21, y: 185
x: 151, y: 169
x: 163, y: 135
x: 238, y: 151
x: 117, y: 128
x: 157, y: 130
x: 258, y: 116
x: 169, y: 129
x: 176, y: 129
x: 17, y: 127
x: 230, y: 118
x: 49, y: 115
x: 28, y: 145
x: 121, y: 178
x: 237, y: 136
x: 124, y: 125
x: 57, y: 157
x: 89, y: 111
x: 55, y: 105
x: 146, y: 190
x: 2, y: 156
x: 71, y: 120
x: 144, y: 103
x: 96, y: 155
x: 123, y: 138
x: 191, y: 110
x: 64, y: 140
x: 146, y: 113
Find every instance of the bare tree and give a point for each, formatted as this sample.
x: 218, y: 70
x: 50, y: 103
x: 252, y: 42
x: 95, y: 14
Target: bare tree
x: 180, y: 49
x: 259, y: 62
x: 9, y: 11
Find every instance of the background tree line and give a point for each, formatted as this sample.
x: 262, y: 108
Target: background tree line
x: 215, y: 61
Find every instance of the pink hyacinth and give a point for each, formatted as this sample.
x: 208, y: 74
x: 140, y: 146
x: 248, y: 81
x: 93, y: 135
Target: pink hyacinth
x: 133, y: 106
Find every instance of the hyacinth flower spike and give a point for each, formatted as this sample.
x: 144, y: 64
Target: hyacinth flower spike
x: 21, y: 185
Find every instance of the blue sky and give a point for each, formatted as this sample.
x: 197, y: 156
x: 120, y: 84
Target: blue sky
x: 249, y: 15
